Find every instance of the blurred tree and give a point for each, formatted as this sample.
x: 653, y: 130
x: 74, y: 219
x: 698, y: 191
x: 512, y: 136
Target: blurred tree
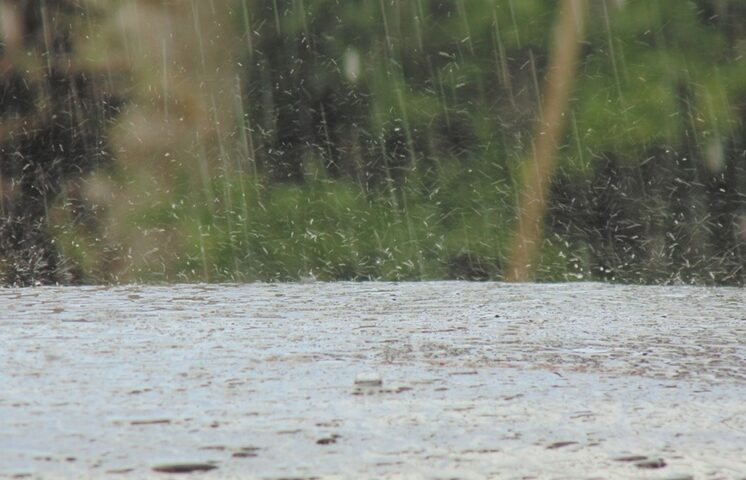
x: 376, y: 139
x: 310, y: 96
x: 54, y: 117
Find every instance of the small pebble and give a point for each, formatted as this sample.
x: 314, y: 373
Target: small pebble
x: 631, y: 458
x: 651, y: 463
x: 556, y: 445
x: 368, y: 379
x: 184, y: 467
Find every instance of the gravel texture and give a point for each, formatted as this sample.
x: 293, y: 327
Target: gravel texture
x: 373, y: 380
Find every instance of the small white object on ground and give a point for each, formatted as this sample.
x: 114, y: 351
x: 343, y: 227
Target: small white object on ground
x: 368, y: 379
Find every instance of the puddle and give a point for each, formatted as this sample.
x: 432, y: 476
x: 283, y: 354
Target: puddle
x: 323, y: 380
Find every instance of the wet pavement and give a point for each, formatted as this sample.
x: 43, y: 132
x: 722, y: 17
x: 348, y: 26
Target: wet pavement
x: 373, y: 380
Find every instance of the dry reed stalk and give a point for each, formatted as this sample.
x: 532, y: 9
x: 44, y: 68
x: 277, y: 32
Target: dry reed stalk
x: 537, y: 173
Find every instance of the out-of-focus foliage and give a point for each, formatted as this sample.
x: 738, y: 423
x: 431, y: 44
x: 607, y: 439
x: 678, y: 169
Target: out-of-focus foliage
x: 350, y: 139
x: 54, y: 110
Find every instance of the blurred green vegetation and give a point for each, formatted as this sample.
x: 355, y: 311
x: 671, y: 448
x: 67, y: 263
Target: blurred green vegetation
x: 380, y: 140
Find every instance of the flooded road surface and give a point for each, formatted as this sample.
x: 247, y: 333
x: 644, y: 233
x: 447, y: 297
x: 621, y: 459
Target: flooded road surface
x: 454, y: 380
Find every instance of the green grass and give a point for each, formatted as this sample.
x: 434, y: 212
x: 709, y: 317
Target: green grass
x: 333, y: 230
